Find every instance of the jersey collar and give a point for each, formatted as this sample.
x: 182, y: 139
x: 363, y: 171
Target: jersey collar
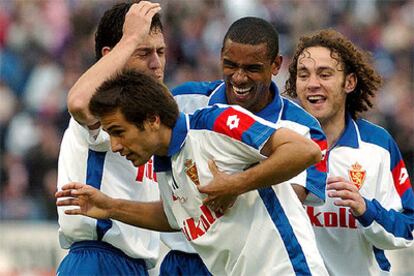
x: 179, y: 132
x: 271, y: 112
x: 349, y: 137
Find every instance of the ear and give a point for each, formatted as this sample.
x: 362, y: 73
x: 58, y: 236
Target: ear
x: 153, y: 122
x: 277, y: 63
x: 350, y: 82
x: 105, y: 50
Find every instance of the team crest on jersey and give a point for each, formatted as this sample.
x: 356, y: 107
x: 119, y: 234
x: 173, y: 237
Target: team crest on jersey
x: 191, y: 171
x: 357, y: 175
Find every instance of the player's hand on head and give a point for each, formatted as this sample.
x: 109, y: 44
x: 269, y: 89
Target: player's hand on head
x: 220, y: 191
x: 346, y: 194
x: 90, y: 201
x: 138, y: 19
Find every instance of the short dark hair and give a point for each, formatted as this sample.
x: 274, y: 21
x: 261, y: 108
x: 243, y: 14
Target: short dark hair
x: 353, y: 59
x: 110, y: 26
x: 254, y: 31
x: 137, y: 96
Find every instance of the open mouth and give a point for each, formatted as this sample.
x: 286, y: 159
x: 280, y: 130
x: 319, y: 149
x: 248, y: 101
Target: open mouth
x: 316, y: 99
x: 241, y: 91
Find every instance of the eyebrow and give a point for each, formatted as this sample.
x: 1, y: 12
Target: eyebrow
x: 241, y: 65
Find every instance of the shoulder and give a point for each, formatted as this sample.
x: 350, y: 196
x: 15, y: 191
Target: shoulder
x: 374, y: 134
x: 293, y: 112
x: 192, y: 87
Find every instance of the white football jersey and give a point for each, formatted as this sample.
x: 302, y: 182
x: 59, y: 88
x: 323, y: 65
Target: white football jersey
x: 87, y: 158
x: 367, y: 156
x: 193, y: 95
x: 266, y: 231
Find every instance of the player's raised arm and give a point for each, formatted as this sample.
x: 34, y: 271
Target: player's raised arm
x: 93, y: 203
x: 136, y: 27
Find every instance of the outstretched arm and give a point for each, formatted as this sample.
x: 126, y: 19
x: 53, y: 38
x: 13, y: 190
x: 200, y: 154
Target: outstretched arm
x: 93, y: 203
x: 136, y: 27
x: 288, y: 154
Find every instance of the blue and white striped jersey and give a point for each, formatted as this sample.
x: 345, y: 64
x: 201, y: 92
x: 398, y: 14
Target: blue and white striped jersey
x: 88, y: 159
x: 367, y: 156
x: 193, y: 95
x: 267, y: 231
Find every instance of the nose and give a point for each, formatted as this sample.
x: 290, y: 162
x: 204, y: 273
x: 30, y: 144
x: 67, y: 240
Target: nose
x: 155, y: 61
x: 239, y: 76
x: 314, y: 81
x: 116, y: 146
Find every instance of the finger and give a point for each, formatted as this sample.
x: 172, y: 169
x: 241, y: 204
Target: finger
x: 72, y: 185
x: 73, y: 212
x: 342, y: 186
x: 343, y: 194
x: 146, y: 6
x: 335, y: 179
x: 208, y: 200
x: 203, y: 189
x: 65, y: 193
x: 152, y: 11
x: 212, y: 167
x: 68, y: 202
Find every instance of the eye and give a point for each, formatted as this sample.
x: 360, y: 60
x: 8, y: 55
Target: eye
x: 302, y: 75
x: 325, y: 75
x: 254, y: 69
x: 117, y: 133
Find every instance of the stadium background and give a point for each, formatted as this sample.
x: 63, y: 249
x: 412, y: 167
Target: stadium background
x: 45, y: 45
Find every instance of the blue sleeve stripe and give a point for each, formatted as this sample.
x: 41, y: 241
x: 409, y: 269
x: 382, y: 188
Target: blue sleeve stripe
x: 382, y: 260
x: 257, y: 134
x: 315, y: 179
x: 94, y: 172
x: 205, y: 118
x: 316, y: 182
x: 282, y: 224
x: 400, y: 225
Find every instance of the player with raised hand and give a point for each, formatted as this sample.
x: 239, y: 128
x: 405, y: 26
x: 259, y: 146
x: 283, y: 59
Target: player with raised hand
x: 129, y: 35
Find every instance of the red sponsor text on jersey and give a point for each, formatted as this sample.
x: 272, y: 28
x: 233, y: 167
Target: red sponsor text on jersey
x: 193, y: 229
x: 401, y: 180
x: 233, y: 123
x: 146, y: 169
x: 343, y: 218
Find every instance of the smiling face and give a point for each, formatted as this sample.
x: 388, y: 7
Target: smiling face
x: 321, y: 84
x: 137, y: 145
x: 248, y: 71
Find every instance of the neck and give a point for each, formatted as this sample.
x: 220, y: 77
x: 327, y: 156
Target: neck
x: 165, y: 138
x: 333, y: 130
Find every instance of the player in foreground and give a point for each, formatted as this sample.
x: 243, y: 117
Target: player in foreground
x: 142, y: 119
x: 370, y: 204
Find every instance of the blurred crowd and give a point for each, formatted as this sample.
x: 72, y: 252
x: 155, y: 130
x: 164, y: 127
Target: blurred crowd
x: 45, y: 45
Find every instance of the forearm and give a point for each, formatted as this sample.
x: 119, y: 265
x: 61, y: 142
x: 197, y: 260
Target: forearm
x: 289, y: 154
x: 387, y: 229
x: 149, y: 215
x: 83, y: 90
